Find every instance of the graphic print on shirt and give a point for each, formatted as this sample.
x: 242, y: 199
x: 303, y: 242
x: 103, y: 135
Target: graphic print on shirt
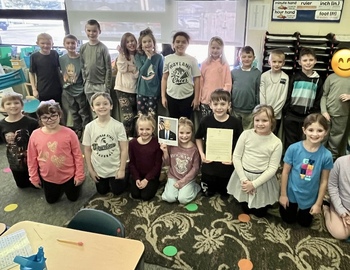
x: 307, y: 169
x: 150, y: 74
x: 70, y: 76
x: 17, y: 143
x: 182, y: 160
x: 58, y: 161
x: 104, y: 145
x: 180, y: 73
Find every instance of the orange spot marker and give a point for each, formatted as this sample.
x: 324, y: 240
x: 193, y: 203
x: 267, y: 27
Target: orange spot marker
x: 70, y: 242
x: 245, y: 264
x: 244, y: 218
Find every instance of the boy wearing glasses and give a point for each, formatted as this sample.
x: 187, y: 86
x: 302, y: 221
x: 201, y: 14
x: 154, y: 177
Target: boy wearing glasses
x: 15, y: 130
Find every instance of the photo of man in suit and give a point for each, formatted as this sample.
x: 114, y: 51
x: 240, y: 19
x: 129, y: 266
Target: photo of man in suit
x: 166, y: 133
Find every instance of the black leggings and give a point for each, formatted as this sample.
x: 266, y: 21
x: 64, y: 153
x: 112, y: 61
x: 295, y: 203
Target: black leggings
x: 117, y: 186
x: 53, y: 192
x: 180, y: 107
x: 258, y: 212
x: 292, y: 214
x: 147, y: 193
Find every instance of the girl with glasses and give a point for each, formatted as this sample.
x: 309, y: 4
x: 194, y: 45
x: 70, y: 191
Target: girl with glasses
x: 55, y: 161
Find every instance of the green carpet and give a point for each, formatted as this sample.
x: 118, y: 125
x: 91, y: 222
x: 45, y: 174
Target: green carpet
x: 213, y: 238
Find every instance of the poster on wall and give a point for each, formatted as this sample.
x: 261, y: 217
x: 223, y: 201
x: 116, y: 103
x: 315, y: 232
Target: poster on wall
x: 307, y: 11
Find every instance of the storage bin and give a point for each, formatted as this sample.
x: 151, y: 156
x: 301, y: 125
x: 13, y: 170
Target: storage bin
x: 5, y: 55
x: 27, y: 61
x: 18, y: 64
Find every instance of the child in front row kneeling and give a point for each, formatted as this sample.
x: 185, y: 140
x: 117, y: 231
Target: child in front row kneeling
x: 105, y: 147
x: 305, y: 173
x: 15, y: 130
x: 145, y: 159
x: 55, y: 161
x: 256, y: 159
x: 215, y: 175
x: 183, y: 162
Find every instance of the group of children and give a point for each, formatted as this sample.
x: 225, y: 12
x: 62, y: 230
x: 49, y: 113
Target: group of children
x: 55, y: 161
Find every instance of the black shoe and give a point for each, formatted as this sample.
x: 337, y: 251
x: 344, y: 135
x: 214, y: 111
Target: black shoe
x: 79, y: 133
x: 324, y: 202
x: 208, y: 194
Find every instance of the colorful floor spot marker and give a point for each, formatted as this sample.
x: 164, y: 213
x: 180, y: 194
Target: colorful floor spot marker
x: 6, y: 170
x: 245, y: 264
x: 191, y: 207
x: 244, y: 218
x: 11, y: 207
x: 170, y: 251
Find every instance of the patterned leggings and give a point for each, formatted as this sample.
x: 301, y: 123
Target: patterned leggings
x: 146, y: 104
x: 127, y: 103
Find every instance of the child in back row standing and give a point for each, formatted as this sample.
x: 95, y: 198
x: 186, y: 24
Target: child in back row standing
x: 126, y: 81
x: 215, y: 175
x: 181, y: 79
x: 256, y: 159
x: 95, y: 62
x: 44, y: 71
x: 303, y: 98
x: 335, y: 107
x: 183, y: 162
x: 245, y: 87
x: 215, y: 74
x: 73, y: 85
x: 274, y: 86
x: 150, y: 66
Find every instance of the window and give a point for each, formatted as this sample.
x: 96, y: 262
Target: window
x: 25, y: 31
x: 32, y: 5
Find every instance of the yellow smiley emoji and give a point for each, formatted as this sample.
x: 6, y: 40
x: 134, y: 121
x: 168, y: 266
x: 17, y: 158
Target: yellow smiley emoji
x: 341, y: 63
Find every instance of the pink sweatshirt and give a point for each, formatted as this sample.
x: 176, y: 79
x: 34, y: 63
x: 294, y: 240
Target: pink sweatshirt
x: 214, y: 75
x: 57, y: 157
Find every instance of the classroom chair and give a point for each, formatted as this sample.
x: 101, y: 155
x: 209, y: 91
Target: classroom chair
x: 97, y: 221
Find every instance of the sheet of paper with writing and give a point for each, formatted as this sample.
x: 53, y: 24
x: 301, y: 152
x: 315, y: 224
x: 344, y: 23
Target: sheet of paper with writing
x: 219, y: 144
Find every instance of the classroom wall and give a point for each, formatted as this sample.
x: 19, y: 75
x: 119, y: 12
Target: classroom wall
x: 255, y: 38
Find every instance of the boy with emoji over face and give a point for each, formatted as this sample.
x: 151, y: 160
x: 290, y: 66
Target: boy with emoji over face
x: 335, y: 102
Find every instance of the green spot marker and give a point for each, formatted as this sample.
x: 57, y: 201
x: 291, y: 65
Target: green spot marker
x: 170, y: 251
x: 191, y: 207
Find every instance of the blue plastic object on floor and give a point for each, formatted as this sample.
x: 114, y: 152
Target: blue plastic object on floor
x: 347, y: 240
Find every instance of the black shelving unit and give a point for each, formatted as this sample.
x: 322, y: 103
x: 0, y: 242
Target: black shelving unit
x: 291, y: 44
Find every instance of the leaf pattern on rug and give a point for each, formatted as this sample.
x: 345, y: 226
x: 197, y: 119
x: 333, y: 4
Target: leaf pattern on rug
x: 316, y: 246
x: 213, y: 238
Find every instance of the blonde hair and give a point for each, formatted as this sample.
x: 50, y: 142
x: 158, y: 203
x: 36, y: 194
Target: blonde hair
x: 184, y: 121
x: 11, y: 96
x: 44, y: 36
x: 146, y: 118
x: 263, y: 108
x: 218, y: 40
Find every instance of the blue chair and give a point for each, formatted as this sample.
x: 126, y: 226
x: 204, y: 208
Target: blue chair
x: 12, y: 78
x: 97, y: 221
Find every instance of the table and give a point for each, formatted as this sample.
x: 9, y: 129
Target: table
x: 2, y: 228
x: 98, y: 252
